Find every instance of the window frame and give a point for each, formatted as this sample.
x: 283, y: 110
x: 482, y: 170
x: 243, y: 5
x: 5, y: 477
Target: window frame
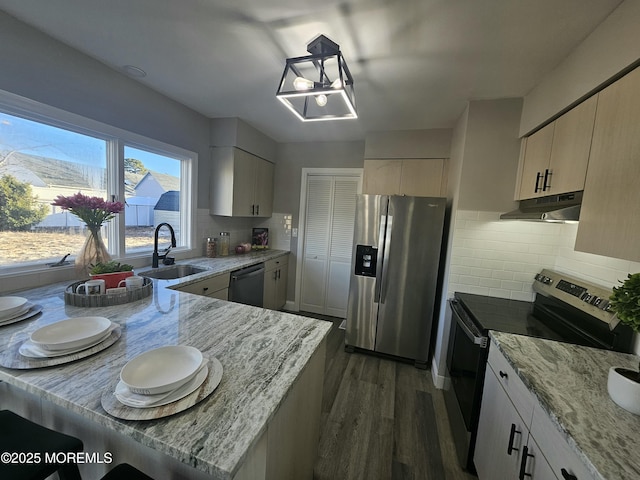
x: 116, y: 140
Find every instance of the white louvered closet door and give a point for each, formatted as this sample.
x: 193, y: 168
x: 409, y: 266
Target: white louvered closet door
x: 328, y: 242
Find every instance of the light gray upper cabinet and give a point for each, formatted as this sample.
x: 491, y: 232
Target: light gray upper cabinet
x: 555, y: 158
x: 609, y: 221
x: 241, y: 184
x: 424, y: 177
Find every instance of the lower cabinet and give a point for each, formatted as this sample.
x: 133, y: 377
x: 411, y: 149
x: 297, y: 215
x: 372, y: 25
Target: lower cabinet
x: 502, y: 433
x: 214, y: 287
x: 511, y: 429
x: 275, y: 283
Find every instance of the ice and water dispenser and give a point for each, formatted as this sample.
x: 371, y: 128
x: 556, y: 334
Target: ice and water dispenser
x: 366, y: 260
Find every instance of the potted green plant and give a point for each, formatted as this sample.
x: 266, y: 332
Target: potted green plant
x: 624, y: 383
x: 111, y: 272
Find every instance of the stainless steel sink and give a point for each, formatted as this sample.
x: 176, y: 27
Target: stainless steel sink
x: 172, y: 272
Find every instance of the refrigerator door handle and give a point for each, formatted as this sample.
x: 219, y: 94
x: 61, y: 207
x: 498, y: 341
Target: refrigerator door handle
x: 385, y: 258
x: 378, y: 286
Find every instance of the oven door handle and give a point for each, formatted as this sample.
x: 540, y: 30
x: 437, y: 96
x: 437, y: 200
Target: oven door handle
x: 467, y: 326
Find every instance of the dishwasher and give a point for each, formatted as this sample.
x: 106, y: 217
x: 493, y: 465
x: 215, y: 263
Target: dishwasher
x: 247, y: 285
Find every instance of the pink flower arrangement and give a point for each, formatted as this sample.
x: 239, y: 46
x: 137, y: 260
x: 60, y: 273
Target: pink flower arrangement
x: 93, y: 211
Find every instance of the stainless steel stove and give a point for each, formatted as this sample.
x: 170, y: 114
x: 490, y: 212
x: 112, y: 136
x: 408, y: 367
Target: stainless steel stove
x: 565, y: 309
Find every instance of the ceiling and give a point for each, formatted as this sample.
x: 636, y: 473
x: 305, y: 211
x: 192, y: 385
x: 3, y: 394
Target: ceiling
x: 415, y: 62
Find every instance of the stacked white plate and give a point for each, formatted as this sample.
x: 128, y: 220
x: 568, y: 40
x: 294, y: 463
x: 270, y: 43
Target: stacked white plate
x: 13, y: 308
x: 161, y: 376
x: 67, y: 336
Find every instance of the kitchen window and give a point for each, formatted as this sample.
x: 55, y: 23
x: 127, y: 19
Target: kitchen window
x: 45, y: 152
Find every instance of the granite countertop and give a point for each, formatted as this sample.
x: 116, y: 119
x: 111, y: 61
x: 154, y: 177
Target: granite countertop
x: 262, y: 352
x: 570, y: 382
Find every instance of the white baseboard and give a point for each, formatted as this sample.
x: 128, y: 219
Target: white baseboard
x: 441, y: 382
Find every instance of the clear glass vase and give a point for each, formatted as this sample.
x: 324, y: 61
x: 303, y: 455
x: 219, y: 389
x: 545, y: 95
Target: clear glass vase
x: 93, y: 251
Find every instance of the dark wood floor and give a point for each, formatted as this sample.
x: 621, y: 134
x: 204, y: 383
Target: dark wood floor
x: 381, y: 420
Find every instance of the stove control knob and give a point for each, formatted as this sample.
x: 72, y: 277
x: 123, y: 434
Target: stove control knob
x: 587, y: 297
x: 547, y: 281
x: 595, y: 300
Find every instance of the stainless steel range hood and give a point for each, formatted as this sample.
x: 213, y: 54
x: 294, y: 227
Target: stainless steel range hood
x: 555, y: 208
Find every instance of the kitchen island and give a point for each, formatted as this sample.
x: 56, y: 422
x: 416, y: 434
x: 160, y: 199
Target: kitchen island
x: 570, y: 385
x: 261, y: 422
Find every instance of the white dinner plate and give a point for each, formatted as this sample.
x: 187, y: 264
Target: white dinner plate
x: 161, y: 370
x: 24, y: 309
x: 31, y: 350
x: 71, y: 333
x: 9, y: 306
x: 31, y: 312
x: 124, y: 395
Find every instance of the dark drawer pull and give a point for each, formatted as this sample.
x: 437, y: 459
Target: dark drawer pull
x: 523, y: 463
x: 503, y: 374
x: 547, y: 177
x: 566, y: 475
x: 539, y: 177
x: 510, y: 447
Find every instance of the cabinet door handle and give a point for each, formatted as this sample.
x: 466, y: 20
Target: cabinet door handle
x: 523, y: 463
x: 204, y: 289
x: 258, y: 209
x: 547, y: 177
x: 253, y: 209
x: 503, y: 374
x: 539, y: 177
x: 566, y: 475
x: 510, y: 447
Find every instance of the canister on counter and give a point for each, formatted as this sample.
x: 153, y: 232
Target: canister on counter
x: 211, y: 247
x: 223, y: 244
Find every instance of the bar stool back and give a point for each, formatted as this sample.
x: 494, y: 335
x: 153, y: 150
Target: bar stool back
x: 124, y: 471
x: 26, y: 440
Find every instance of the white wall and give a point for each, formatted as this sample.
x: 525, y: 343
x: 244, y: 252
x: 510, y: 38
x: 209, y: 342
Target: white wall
x: 609, y: 49
x: 491, y: 154
x: 43, y: 69
x: 433, y: 143
x: 483, y: 165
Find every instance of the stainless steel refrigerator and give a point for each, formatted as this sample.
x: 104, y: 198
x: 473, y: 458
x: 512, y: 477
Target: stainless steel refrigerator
x: 394, y: 273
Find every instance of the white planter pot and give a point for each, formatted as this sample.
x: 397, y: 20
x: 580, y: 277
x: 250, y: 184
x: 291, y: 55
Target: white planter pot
x: 623, y: 391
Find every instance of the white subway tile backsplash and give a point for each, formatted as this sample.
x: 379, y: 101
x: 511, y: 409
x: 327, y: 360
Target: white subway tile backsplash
x: 498, y: 292
x: 469, y: 280
x: 502, y: 274
x: 500, y: 258
x: 512, y: 286
x: 490, y: 282
x: 523, y: 296
x: 492, y: 264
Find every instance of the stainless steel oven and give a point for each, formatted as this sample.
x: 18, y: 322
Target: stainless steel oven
x: 565, y: 309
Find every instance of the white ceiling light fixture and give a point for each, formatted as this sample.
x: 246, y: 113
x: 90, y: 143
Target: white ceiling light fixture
x: 319, y: 86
